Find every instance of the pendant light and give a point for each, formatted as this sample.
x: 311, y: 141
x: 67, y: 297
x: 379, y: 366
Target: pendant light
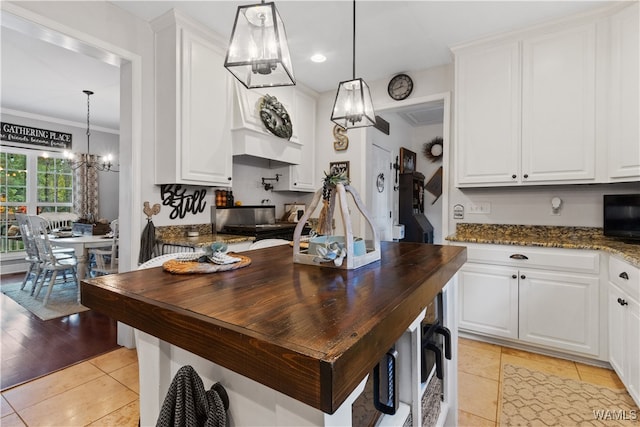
x: 258, y: 54
x: 353, y: 107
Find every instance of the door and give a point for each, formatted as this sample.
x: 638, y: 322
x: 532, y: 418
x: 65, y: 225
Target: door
x: 381, y: 192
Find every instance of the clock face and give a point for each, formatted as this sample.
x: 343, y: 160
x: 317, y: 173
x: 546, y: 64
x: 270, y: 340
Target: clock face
x: 400, y: 87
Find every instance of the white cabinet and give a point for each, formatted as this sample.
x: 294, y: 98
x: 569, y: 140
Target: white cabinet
x: 543, y: 296
x: 526, y: 108
x: 558, y: 106
x: 487, y: 80
x: 193, y: 105
x: 302, y: 177
x: 623, y: 129
x: 624, y: 324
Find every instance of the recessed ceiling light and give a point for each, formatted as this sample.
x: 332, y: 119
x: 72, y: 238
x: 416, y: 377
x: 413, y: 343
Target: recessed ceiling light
x: 318, y: 57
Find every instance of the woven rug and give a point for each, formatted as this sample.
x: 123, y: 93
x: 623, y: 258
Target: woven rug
x: 62, y: 302
x: 534, y: 398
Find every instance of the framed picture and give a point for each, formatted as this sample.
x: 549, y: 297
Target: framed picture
x: 407, y: 161
x: 339, y: 167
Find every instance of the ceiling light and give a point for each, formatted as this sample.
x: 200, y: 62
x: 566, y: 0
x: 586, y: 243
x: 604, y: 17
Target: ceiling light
x: 318, y: 57
x: 258, y: 54
x: 353, y: 107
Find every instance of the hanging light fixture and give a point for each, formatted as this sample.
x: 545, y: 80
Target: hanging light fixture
x: 258, y: 54
x: 353, y: 107
x: 100, y: 164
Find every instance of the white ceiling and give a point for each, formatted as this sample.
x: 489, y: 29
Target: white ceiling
x: 392, y: 36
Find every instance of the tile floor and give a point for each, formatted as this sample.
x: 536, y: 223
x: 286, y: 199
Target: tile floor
x: 103, y: 391
x: 479, y: 373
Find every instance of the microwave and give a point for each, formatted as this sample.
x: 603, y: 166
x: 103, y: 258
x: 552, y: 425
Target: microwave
x: 621, y: 216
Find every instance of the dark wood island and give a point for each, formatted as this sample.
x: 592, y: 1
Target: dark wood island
x: 309, y: 333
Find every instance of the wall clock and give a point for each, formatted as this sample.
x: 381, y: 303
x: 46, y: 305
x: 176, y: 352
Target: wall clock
x: 275, y: 117
x: 400, y: 87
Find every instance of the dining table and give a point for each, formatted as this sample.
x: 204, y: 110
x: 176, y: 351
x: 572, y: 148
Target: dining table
x: 81, y: 246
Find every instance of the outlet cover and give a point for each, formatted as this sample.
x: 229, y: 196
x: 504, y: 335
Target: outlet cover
x: 480, y: 208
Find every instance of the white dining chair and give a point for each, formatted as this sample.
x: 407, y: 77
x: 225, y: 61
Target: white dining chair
x: 59, y: 220
x: 161, y: 259
x: 51, y: 263
x: 105, y: 260
x: 31, y: 251
x: 267, y: 243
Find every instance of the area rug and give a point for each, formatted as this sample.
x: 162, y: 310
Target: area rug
x: 62, y: 302
x: 534, y: 398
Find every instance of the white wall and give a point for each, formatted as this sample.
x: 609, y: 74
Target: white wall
x: 102, y: 143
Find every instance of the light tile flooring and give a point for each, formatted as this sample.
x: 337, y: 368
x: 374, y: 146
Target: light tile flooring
x: 104, y: 391
x: 479, y: 373
x: 99, y: 392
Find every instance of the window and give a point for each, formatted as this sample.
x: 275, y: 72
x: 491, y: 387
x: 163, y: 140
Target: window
x: 31, y: 182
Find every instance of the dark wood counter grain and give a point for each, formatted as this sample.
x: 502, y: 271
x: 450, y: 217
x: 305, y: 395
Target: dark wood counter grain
x: 309, y: 332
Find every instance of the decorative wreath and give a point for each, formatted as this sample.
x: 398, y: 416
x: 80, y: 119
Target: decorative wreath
x: 432, y: 150
x: 275, y: 117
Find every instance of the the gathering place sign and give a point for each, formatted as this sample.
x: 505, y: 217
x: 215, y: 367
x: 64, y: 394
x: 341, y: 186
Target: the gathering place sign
x: 35, y: 136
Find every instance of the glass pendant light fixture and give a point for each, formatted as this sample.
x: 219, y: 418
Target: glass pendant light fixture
x: 258, y: 54
x: 87, y: 160
x: 353, y: 107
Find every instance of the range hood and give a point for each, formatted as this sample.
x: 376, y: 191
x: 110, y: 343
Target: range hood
x: 249, y: 135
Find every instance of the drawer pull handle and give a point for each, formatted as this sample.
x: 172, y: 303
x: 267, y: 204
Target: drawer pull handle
x: 523, y: 277
x: 624, y: 275
x: 622, y: 302
x: 518, y: 256
x: 513, y: 276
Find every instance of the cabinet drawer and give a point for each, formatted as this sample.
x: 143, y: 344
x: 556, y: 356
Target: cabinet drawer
x: 575, y: 260
x: 625, y: 275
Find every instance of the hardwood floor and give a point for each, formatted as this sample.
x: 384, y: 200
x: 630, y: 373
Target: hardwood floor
x: 32, y: 348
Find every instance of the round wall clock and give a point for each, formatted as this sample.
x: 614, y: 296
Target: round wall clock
x: 400, y: 87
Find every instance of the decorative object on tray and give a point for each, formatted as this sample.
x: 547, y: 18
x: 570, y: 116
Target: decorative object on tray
x: 341, y: 141
x: 215, y: 259
x: 275, y: 117
x: 433, y: 149
x: 325, y: 249
x: 407, y: 160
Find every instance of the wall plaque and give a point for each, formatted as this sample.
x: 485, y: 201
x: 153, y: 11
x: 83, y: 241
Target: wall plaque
x: 35, y: 136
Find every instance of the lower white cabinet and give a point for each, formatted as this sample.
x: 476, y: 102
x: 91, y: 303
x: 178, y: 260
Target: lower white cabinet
x: 624, y: 324
x: 549, y: 305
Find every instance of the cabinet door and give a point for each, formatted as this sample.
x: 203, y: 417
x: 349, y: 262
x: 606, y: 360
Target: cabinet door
x: 303, y: 176
x: 632, y: 338
x: 488, y: 298
x: 616, y: 330
x: 559, y: 310
x: 488, y: 115
x: 558, y: 106
x: 206, y: 113
x: 623, y: 131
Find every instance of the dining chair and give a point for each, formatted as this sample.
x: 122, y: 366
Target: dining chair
x: 51, y: 263
x: 105, y: 260
x: 31, y: 251
x: 59, y: 220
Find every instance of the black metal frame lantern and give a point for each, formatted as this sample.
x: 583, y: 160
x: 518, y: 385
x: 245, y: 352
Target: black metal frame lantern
x: 258, y: 53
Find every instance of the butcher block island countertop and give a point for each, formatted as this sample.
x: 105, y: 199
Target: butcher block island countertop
x: 310, y: 332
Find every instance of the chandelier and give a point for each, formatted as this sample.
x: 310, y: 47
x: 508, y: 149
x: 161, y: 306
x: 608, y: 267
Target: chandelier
x: 353, y: 107
x: 99, y: 163
x: 258, y: 54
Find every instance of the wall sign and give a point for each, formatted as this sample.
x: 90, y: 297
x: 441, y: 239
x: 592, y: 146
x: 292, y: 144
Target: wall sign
x: 339, y: 167
x: 35, y: 136
x: 176, y: 197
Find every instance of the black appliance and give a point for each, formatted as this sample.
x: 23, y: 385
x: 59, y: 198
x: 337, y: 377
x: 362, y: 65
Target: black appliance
x: 264, y: 231
x: 256, y: 221
x: 417, y: 227
x: 621, y: 216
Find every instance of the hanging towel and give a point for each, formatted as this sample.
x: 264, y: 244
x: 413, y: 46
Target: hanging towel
x: 187, y: 404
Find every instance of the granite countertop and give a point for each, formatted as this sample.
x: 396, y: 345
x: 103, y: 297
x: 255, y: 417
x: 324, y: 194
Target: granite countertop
x: 546, y: 236
x: 203, y: 239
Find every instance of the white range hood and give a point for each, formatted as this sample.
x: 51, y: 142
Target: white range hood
x: 250, y: 137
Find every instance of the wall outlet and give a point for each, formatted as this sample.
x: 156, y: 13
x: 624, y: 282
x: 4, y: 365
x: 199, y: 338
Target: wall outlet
x: 480, y: 208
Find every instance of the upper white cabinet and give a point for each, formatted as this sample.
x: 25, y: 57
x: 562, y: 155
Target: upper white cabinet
x: 193, y: 105
x: 488, y: 114
x: 302, y: 177
x: 531, y: 106
x: 558, y: 106
x: 623, y: 130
